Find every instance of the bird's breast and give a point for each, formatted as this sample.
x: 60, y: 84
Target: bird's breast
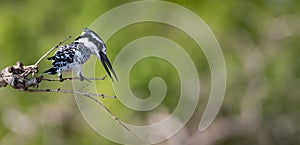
x: 82, y: 55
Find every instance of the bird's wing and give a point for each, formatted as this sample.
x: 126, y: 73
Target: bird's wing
x: 64, y: 56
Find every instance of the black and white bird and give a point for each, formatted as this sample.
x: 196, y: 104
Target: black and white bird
x: 72, y: 56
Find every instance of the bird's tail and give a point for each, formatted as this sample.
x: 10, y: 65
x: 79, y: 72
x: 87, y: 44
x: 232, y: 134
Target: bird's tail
x: 51, y: 71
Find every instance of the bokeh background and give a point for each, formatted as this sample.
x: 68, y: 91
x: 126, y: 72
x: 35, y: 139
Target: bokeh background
x: 259, y: 39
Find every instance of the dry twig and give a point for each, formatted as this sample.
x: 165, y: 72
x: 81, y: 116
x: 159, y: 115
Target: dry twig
x: 69, y: 91
x: 47, y: 53
x: 73, y: 78
x: 17, y: 76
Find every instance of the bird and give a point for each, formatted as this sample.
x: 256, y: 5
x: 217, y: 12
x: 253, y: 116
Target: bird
x: 72, y: 56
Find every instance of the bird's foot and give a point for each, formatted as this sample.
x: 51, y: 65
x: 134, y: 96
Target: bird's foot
x: 61, y: 78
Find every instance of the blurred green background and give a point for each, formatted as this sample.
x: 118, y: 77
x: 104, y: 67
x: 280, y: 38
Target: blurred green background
x: 260, y: 42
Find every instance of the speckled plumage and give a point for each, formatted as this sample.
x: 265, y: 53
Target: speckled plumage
x: 69, y: 55
x: 72, y: 56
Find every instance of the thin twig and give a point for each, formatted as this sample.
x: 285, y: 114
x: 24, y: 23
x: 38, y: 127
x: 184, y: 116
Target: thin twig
x: 56, y: 46
x: 124, y: 126
x: 90, y: 96
x: 16, y: 77
x: 72, y: 78
x: 68, y: 91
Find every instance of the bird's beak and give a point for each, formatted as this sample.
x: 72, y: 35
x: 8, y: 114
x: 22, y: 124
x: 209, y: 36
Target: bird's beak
x: 106, y: 64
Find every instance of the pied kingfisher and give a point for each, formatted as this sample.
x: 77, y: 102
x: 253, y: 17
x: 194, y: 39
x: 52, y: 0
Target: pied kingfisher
x: 74, y: 55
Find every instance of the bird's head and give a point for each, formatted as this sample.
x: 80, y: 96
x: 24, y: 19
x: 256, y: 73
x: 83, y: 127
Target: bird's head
x: 92, y: 41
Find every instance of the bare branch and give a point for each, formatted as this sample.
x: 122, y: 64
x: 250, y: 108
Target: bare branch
x: 92, y: 97
x: 73, y: 78
x: 17, y: 77
x: 55, y: 47
x: 124, y: 126
x: 68, y: 91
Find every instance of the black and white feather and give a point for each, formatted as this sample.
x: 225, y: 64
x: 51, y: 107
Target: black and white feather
x: 74, y: 55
